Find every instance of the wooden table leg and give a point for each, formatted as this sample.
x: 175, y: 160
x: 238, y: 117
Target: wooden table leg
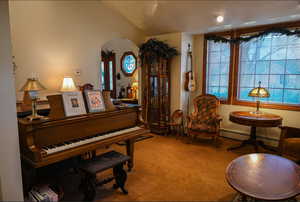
x: 130, y: 152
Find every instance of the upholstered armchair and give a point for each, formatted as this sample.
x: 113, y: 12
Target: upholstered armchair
x: 205, y: 119
x: 289, y: 143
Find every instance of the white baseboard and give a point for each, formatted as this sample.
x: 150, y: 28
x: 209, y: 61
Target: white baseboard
x: 240, y: 135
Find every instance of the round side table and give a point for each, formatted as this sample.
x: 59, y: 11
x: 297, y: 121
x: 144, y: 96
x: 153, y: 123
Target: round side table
x: 264, y: 176
x: 254, y: 120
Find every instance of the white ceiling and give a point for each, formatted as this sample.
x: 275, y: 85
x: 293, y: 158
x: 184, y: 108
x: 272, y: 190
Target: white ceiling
x: 199, y: 16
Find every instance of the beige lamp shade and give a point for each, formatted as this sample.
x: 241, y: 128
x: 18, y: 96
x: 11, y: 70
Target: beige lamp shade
x: 135, y: 84
x: 68, y: 85
x: 259, y: 92
x: 32, y: 85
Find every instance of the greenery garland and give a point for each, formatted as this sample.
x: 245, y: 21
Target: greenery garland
x: 280, y: 31
x: 154, y: 49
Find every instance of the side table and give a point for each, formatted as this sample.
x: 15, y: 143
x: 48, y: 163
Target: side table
x: 254, y: 120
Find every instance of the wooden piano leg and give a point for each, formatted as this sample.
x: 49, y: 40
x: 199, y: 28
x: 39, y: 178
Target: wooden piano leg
x: 130, y: 152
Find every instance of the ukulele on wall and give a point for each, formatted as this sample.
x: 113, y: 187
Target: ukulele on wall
x: 190, y: 84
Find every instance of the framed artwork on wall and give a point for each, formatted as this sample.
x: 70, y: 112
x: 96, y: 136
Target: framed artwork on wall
x: 128, y: 63
x: 73, y: 103
x: 94, y: 100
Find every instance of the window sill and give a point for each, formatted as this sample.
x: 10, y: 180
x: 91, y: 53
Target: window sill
x: 268, y: 106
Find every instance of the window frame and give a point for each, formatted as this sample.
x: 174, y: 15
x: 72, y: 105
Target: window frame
x: 234, y: 67
x: 204, y: 77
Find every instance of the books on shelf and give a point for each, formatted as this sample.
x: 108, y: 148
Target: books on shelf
x: 42, y: 193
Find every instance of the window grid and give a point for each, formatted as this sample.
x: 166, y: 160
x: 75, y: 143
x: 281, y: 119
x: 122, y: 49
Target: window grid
x: 215, y: 69
x: 273, y: 43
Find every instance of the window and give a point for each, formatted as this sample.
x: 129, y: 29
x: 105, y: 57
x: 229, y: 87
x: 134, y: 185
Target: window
x: 128, y: 63
x: 275, y: 61
x: 217, y: 69
x: 108, y: 72
x: 232, y: 70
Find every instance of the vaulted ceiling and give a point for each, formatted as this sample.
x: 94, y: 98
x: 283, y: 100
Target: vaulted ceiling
x: 199, y: 16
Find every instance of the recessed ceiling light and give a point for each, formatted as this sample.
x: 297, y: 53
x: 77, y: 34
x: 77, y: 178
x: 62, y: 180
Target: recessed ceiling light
x: 220, y: 19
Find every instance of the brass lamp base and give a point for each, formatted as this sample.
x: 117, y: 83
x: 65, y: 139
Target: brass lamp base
x: 35, y: 117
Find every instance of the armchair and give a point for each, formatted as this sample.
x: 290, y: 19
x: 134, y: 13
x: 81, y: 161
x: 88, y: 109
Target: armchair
x: 289, y: 143
x: 205, y: 119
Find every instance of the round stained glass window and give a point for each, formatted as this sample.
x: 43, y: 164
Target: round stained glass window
x: 128, y: 63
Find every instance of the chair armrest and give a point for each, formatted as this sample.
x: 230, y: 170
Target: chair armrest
x: 289, y: 132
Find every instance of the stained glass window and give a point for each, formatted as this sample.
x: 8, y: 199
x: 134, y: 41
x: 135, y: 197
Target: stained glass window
x: 128, y: 63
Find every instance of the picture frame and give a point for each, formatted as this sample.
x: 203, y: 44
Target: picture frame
x: 94, y: 100
x: 73, y: 103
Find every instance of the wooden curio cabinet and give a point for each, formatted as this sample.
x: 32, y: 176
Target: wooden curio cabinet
x: 156, y: 95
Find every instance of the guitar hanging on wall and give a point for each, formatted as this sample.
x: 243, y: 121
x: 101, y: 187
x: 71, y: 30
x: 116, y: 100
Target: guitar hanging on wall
x: 190, y: 84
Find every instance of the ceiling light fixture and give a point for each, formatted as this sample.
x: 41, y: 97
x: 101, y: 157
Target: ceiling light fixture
x: 220, y: 19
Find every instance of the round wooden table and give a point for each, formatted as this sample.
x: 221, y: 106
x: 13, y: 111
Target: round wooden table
x: 264, y: 176
x: 254, y: 120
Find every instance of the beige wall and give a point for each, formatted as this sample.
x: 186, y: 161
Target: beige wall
x: 53, y: 39
x: 232, y: 130
x: 10, y: 171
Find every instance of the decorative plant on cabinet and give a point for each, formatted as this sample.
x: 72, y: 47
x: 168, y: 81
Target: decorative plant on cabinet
x: 155, y: 61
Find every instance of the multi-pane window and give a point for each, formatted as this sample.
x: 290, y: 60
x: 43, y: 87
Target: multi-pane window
x: 217, y: 69
x: 275, y: 61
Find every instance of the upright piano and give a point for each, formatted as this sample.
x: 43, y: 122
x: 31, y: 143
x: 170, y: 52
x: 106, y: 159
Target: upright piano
x: 45, y: 142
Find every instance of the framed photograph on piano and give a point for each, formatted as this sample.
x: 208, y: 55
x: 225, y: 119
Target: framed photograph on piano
x: 94, y: 100
x: 73, y: 103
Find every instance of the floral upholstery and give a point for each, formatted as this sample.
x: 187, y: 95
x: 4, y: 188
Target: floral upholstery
x: 205, y: 117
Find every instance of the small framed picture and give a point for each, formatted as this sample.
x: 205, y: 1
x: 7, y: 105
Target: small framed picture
x: 73, y: 103
x: 94, y: 100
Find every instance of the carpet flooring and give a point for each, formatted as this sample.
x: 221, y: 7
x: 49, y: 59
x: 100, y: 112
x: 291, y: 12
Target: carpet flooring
x: 170, y: 169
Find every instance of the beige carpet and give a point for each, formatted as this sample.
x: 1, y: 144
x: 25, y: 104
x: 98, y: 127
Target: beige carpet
x: 169, y: 169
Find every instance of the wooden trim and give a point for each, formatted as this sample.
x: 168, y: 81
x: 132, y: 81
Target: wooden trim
x: 204, y: 67
x: 289, y: 107
x: 106, y: 61
x: 121, y: 63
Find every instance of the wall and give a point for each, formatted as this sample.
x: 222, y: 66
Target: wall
x: 236, y: 131
x: 53, y: 39
x: 119, y: 47
x: 174, y: 40
x: 10, y: 171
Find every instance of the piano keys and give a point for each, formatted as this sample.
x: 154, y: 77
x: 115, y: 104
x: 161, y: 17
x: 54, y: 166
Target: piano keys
x: 44, y: 142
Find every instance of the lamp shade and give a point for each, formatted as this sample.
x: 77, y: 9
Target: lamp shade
x: 259, y: 92
x: 68, y: 85
x: 32, y: 85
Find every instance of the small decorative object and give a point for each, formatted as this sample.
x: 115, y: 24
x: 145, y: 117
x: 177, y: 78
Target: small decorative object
x: 31, y: 87
x: 68, y: 85
x: 129, y: 91
x: 118, y: 76
x: 135, y: 86
x: 121, y: 93
x: 86, y: 86
x: 258, y: 92
x: 94, y: 100
x: 107, y: 100
x: 128, y: 63
x: 73, y: 103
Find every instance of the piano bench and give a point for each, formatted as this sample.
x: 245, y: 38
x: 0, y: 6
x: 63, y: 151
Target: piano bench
x: 90, y: 168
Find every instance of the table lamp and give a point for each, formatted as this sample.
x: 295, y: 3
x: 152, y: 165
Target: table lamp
x: 68, y: 85
x: 258, y: 92
x: 30, y: 88
x: 135, y: 86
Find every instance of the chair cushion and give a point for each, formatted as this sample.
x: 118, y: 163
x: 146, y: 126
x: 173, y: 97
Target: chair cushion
x: 291, y: 146
x: 202, y: 127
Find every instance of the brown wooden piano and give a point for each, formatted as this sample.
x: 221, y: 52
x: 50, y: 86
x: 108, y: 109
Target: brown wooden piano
x: 44, y: 142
